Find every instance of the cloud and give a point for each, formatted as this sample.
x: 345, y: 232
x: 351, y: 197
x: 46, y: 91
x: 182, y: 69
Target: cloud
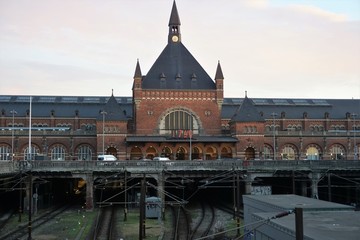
x: 318, y: 12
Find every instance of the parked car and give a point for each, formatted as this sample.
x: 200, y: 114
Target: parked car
x: 161, y: 159
x: 106, y: 158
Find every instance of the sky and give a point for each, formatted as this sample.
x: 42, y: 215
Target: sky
x: 268, y: 48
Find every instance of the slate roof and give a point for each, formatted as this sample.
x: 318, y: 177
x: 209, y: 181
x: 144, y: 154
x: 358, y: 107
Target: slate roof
x: 113, y: 111
x: 176, y: 68
x: 247, y: 112
x: 91, y: 106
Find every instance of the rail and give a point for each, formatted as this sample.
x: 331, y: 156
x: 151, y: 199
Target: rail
x: 7, y: 167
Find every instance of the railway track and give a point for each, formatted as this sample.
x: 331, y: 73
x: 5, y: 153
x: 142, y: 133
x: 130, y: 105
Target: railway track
x: 181, y: 224
x: 206, y: 221
x: 105, y: 224
x: 22, y: 230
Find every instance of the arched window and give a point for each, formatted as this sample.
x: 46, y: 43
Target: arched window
x: 84, y: 153
x: 178, y: 122
x: 337, y: 152
x: 288, y: 153
x: 57, y: 153
x: 34, y: 151
x: 5, y: 153
x: 267, y: 153
x: 312, y: 153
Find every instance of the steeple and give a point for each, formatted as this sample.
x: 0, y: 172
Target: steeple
x: 174, y: 26
x: 219, y: 74
x: 137, y: 70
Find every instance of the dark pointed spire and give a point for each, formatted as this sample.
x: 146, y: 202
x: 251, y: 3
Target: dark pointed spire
x: 219, y: 74
x: 174, y: 26
x: 174, y: 17
x: 137, y: 70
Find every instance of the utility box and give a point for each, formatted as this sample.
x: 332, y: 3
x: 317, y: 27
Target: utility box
x: 152, y: 207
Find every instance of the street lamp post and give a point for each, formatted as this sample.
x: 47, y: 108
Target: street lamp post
x: 103, y: 132
x: 13, y: 112
x: 274, y: 115
x: 354, y: 129
x: 191, y: 128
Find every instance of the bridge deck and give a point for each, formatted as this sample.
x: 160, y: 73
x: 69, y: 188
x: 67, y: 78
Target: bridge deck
x: 10, y: 167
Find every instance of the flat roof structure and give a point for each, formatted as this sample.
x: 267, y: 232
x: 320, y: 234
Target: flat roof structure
x: 290, y: 201
x: 319, y: 225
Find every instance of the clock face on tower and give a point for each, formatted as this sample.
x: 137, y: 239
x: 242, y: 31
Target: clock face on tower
x: 175, y: 38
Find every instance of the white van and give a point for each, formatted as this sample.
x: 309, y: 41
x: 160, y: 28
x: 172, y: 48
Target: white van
x: 106, y: 158
x: 161, y: 159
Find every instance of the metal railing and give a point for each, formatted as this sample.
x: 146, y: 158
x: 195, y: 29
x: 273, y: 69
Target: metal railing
x: 7, y: 167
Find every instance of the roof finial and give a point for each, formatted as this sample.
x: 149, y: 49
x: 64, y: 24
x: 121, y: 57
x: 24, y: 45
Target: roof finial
x: 245, y: 93
x: 112, y: 92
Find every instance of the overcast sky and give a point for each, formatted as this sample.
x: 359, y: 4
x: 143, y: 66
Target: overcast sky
x: 269, y: 48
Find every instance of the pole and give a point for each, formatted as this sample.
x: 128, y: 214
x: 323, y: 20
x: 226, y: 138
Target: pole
x: 103, y: 132
x: 30, y: 206
x: 142, y: 210
x: 13, y: 112
x: 125, y: 196
x: 274, y: 139
x: 20, y: 191
x: 30, y: 158
x: 329, y: 186
x: 299, y: 224
x: 191, y: 129
x: 354, y: 128
x: 238, y: 204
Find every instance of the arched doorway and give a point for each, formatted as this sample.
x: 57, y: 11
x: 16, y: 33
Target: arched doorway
x: 226, y: 152
x: 111, y: 151
x: 196, y: 153
x: 180, y: 153
x: 211, y: 153
x: 250, y: 153
x: 135, y: 153
x: 151, y: 152
x: 166, y: 152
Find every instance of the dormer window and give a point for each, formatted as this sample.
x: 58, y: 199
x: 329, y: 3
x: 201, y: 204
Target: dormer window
x: 193, y: 81
x: 162, y: 80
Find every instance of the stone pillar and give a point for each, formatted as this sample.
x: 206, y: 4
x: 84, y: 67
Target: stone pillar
x: 303, y: 189
x: 248, y: 183
x: 89, y: 178
x: 160, y: 192
x: 314, y: 185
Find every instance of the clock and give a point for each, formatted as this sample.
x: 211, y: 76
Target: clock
x: 175, y: 38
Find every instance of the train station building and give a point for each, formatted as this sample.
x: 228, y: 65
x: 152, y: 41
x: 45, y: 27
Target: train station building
x: 178, y: 111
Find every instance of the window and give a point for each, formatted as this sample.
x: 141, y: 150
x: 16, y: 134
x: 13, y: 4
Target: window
x: 178, y: 120
x: 312, y: 153
x: 288, y: 153
x: 57, y: 153
x: 267, y: 153
x: 337, y: 152
x: 34, y: 151
x: 5, y: 153
x: 84, y: 153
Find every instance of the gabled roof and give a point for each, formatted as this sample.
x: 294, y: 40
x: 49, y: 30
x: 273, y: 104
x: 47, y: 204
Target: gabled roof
x: 176, y: 68
x: 247, y: 112
x: 113, y: 111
